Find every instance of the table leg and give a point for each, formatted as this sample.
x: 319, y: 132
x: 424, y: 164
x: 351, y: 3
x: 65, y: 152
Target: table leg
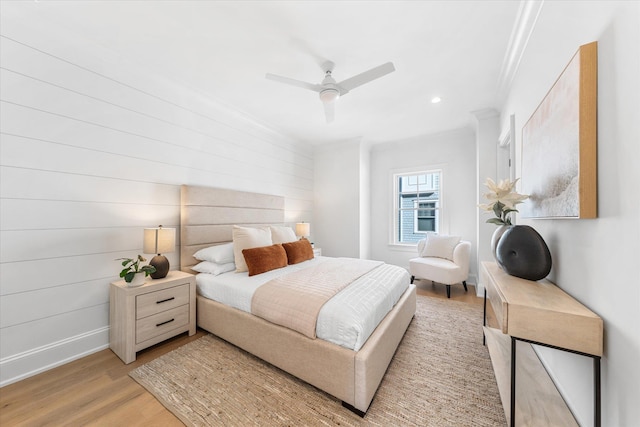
x: 596, y: 392
x: 513, y: 382
x: 484, y: 317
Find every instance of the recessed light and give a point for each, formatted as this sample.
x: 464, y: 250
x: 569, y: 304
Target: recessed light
x: 435, y: 99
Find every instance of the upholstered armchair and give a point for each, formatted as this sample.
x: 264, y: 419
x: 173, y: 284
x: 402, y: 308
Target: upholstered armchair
x: 442, y: 259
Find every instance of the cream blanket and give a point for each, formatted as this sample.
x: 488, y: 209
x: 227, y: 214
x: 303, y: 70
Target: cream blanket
x: 294, y: 300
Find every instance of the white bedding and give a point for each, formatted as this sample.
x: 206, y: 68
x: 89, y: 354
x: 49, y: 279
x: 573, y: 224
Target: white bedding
x: 348, y: 319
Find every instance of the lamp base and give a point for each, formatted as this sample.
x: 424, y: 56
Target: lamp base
x: 161, y: 263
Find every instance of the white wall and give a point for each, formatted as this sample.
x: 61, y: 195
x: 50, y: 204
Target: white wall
x: 365, y: 201
x: 596, y: 261
x: 337, y: 199
x: 454, y: 153
x: 487, y: 135
x: 93, y: 149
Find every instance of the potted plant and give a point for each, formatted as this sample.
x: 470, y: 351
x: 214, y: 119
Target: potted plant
x: 502, y: 199
x: 133, y: 273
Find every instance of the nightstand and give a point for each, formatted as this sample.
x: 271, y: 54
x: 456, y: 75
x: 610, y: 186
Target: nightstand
x: 317, y: 252
x: 146, y: 315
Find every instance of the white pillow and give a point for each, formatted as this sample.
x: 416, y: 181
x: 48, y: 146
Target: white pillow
x: 220, y: 254
x: 280, y: 234
x: 213, y: 268
x: 440, y: 246
x: 247, y: 238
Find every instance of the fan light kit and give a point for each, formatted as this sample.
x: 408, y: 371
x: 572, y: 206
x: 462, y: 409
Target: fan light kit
x: 329, y: 90
x: 329, y: 95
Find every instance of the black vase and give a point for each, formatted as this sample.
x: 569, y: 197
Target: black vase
x: 522, y: 252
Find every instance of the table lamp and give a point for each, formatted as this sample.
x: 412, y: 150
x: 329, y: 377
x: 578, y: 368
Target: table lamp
x: 159, y: 241
x: 303, y: 229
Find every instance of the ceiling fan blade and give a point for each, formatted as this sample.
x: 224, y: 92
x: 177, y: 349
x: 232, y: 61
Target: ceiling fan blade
x: 329, y: 110
x: 366, y: 77
x: 294, y: 82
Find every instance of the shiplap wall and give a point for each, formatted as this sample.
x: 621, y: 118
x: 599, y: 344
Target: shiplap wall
x: 93, y: 149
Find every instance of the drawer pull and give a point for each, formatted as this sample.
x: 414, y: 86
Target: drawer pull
x: 164, y: 323
x: 165, y: 300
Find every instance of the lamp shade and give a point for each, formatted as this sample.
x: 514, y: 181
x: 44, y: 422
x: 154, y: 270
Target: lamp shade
x: 159, y: 240
x: 303, y: 229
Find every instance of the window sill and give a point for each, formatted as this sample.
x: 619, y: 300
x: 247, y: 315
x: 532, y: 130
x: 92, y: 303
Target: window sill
x: 402, y: 248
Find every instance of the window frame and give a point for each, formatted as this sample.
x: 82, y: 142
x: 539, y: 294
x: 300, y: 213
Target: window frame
x: 417, y: 217
x: 394, y: 226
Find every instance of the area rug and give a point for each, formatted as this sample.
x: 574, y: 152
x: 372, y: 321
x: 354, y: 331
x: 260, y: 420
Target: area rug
x: 441, y: 375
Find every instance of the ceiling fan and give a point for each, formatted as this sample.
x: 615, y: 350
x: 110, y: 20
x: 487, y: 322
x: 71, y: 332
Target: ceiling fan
x: 330, y: 90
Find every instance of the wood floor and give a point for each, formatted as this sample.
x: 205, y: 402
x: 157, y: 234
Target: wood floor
x: 96, y: 390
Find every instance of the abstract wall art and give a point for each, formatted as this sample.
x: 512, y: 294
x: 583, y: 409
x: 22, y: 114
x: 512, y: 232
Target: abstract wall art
x: 559, y: 145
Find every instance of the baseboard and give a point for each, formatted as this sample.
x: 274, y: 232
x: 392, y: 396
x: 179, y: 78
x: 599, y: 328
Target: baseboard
x: 32, y: 362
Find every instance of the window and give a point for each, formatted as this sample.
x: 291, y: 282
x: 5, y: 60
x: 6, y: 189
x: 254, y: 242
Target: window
x: 417, y: 198
x: 425, y: 220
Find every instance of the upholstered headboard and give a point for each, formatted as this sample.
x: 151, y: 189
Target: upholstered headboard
x: 207, y: 216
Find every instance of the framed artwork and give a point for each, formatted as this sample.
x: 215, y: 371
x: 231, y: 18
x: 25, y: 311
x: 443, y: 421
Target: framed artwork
x: 559, y: 145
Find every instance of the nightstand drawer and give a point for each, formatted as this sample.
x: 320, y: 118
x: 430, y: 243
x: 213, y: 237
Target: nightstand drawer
x: 160, y: 323
x: 157, y: 302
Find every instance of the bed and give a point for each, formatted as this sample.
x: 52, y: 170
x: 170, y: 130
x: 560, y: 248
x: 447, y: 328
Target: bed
x: 207, y: 217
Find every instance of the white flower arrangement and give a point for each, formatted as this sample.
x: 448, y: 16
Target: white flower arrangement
x: 502, y: 200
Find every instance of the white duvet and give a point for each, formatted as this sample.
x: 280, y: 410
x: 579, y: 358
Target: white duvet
x: 348, y: 319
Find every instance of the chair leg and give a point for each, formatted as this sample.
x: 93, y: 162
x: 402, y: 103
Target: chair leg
x: 412, y: 278
x: 448, y: 291
x: 464, y: 283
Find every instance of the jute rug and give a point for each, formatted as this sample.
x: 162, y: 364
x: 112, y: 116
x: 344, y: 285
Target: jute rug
x: 441, y: 375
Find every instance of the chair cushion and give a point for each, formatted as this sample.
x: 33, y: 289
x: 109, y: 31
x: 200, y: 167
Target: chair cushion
x: 439, y: 270
x: 440, y: 246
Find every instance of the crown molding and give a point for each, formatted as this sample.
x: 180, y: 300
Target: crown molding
x: 485, y: 113
x: 522, y: 29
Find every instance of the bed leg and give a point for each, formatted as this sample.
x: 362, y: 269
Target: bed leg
x: 353, y: 409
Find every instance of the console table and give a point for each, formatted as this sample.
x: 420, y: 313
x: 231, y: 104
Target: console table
x: 543, y: 314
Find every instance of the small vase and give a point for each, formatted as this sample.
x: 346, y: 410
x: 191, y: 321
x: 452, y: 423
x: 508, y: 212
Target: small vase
x: 523, y: 253
x: 495, y: 238
x: 138, y: 280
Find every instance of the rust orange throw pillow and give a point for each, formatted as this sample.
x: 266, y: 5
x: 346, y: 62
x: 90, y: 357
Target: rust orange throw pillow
x: 265, y: 258
x: 298, y: 251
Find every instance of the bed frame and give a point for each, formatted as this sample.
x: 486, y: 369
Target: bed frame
x: 207, y: 217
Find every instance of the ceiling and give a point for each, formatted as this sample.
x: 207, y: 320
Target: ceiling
x: 223, y: 49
